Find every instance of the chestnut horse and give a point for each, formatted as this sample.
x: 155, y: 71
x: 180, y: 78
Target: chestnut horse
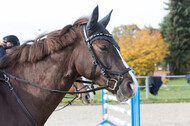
x: 86, y: 98
x: 54, y: 61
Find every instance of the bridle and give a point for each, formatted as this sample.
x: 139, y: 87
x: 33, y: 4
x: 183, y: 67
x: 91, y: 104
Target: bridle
x: 78, y: 89
x: 88, y: 41
x: 73, y: 98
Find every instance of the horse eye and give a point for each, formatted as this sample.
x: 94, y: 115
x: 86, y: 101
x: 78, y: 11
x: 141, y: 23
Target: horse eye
x: 104, y: 48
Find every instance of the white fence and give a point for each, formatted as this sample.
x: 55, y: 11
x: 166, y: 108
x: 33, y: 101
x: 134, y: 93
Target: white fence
x: 132, y: 113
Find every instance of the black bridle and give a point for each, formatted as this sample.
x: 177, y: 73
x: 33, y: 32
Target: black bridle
x: 88, y: 41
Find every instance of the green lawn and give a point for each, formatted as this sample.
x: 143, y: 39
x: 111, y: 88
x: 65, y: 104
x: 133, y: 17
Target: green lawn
x: 169, y: 94
x: 165, y: 94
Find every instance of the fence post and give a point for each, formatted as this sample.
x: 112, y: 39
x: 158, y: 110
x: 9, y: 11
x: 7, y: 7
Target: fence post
x: 103, y: 102
x: 135, y: 109
x: 147, y: 87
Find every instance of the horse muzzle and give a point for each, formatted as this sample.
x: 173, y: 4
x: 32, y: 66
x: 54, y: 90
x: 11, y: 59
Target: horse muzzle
x: 125, y: 90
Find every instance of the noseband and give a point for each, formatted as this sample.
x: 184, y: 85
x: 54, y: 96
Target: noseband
x: 88, y: 41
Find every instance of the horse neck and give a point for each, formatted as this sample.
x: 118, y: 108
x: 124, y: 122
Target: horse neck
x: 50, y: 73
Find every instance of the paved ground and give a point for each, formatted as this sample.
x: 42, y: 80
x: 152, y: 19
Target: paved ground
x: 170, y: 114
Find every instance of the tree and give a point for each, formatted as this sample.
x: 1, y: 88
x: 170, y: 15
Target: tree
x: 123, y: 30
x: 142, y: 49
x: 176, y: 31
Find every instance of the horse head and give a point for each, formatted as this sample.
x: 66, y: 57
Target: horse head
x: 98, y: 58
x: 86, y: 98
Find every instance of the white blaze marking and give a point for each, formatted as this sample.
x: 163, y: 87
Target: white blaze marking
x: 130, y: 72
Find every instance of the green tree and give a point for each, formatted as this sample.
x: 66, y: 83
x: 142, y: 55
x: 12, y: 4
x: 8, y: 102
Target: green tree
x: 176, y: 31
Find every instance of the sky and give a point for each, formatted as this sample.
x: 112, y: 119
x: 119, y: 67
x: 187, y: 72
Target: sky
x: 29, y: 18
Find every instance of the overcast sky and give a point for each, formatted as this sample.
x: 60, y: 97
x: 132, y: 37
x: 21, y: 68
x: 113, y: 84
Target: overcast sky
x: 29, y: 18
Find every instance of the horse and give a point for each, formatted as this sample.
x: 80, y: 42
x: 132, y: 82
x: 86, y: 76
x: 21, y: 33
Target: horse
x: 86, y: 98
x: 35, y: 78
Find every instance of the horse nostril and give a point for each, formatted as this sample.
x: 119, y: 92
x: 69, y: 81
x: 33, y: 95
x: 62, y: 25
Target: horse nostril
x: 131, y: 85
x: 86, y: 97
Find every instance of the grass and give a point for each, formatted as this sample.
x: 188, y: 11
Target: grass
x: 169, y: 94
x: 165, y: 94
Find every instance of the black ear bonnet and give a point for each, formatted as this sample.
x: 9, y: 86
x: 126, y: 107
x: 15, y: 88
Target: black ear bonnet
x: 94, y: 30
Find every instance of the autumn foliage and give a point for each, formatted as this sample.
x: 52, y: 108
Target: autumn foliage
x: 142, y: 49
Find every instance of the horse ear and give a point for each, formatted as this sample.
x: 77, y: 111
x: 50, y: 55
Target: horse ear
x: 92, y: 22
x: 106, y: 19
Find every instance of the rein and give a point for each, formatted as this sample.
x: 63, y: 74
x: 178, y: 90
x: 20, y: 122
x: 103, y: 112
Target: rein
x: 48, y: 89
x: 70, y: 102
x: 7, y: 80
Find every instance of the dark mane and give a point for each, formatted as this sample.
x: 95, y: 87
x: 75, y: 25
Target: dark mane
x: 42, y: 47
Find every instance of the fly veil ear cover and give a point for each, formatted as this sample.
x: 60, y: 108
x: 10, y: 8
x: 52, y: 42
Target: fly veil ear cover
x: 97, y: 30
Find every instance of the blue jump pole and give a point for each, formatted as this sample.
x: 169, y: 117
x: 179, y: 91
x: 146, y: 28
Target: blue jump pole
x: 135, y: 108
